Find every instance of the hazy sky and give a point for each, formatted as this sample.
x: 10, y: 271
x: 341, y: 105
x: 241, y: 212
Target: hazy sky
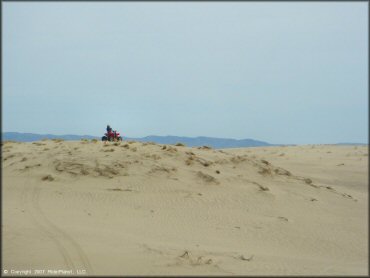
x: 284, y: 72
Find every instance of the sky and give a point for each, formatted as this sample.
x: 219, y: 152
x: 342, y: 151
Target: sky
x: 280, y: 72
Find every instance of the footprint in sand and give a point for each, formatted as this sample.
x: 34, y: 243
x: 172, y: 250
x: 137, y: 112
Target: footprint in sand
x: 241, y: 257
x: 47, y: 178
x: 283, y: 218
x: 195, y: 260
x: 207, y: 178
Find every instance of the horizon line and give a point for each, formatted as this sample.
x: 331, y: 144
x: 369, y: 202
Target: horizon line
x: 338, y: 143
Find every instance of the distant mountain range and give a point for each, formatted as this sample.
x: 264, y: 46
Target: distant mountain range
x: 30, y: 137
x: 217, y: 143
x: 353, y: 144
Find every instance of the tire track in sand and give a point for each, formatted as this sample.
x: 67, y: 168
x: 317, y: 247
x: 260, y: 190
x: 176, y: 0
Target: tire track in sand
x: 72, y: 253
x: 39, y: 223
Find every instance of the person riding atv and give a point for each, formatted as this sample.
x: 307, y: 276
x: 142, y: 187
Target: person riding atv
x: 111, y: 135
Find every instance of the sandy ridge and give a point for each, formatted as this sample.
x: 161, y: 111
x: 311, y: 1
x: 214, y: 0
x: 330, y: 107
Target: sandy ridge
x: 135, y: 208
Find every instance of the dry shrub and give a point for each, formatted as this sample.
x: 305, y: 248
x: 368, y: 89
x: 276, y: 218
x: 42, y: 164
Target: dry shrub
x: 189, y: 161
x: 126, y: 146
x: 38, y: 143
x: 155, y: 157
x: 77, y: 168
x: 281, y: 171
x: 158, y: 168
x: 238, y: 159
x: 204, y: 148
x: 265, y: 162
x: 171, y: 149
x: 134, y: 149
x: 265, y: 171
x: 106, y: 171
x: 57, y: 140
x: 9, y: 156
x: 84, y: 172
x: 180, y: 144
x: 94, y: 140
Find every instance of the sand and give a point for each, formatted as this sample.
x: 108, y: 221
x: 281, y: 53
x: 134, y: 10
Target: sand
x: 135, y: 208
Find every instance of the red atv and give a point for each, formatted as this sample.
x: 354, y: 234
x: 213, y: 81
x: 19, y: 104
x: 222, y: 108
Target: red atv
x: 112, y: 136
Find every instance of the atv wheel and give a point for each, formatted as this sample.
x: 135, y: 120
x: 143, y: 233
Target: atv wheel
x: 119, y: 138
x: 104, y: 138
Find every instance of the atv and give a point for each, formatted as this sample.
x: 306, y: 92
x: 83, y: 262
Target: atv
x: 111, y: 136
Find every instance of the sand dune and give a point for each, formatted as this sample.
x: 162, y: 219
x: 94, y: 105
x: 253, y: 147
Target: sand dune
x: 135, y: 208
